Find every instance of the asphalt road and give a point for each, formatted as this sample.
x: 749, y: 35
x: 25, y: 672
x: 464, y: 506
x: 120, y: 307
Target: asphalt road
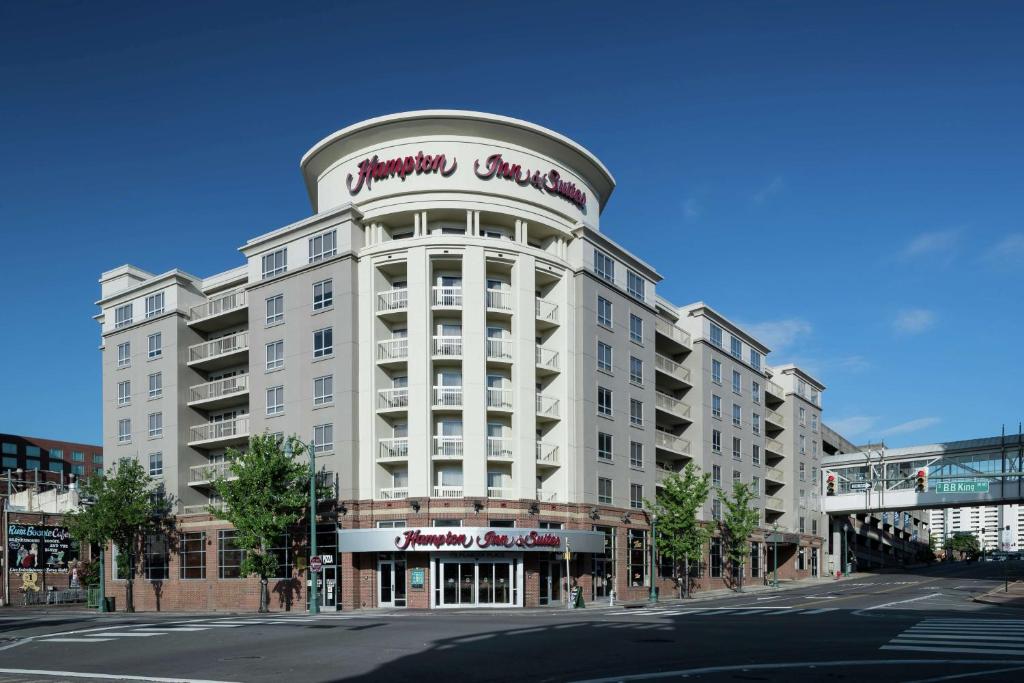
x: 916, y: 626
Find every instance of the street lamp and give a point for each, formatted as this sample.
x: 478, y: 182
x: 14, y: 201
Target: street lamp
x: 846, y: 549
x: 654, y: 559
x: 88, y: 502
x: 314, y: 600
x: 775, y: 554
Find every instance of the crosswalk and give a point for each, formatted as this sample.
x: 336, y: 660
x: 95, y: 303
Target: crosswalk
x: 1004, y: 637
x: 723, y: 611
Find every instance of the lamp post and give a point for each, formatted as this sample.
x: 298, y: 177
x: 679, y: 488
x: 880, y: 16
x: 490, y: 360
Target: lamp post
x: 775, y: 554
x: 654, y: 557
x: 314, y: 599
x: 103, y: 579
x: 846, y: 549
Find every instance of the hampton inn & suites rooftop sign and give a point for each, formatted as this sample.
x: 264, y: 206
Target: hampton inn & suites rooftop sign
x: 469, y: 539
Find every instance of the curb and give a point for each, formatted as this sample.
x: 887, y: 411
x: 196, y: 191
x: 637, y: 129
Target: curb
x: 793, y: 585
x: 1015, y: 602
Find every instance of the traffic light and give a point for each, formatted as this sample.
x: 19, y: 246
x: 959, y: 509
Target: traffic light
x: 922, y: 481
x: 830, y: 484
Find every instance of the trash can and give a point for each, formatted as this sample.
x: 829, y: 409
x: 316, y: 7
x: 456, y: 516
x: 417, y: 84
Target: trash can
x: 111, y: 604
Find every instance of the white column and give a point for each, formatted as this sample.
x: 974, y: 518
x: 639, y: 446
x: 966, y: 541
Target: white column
x: 474, y: 372
x: 524, y: 373
x: 367, y: 416
x: 469, y: 222
x: 524, y: 229
x: 420, y: 382
x: 416, y: 225
x: 476, y: 222
x: 424, y: 226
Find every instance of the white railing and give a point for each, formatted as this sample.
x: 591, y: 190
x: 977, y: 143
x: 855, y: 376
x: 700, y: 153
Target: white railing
x: 448, y: 297
x: 448, y: 397
x: 671, y: 442
x: 546, y: 496
x: 389, y: 399
x: 547, y: 311
x: 499, y: 448
x: 239, y: 426
x: 499, y: 349
x: 671, y: 368
x: 547, y: 406
x: 774, y: 416
x: 393, y: 300
x: 499, y: 398
x: 547, y: 358
x: 202, y: 509
x: 773, y: 445
x: 219, y: 388
x: 394, y: 493
x: 671, y: 405
x: 393, y: 349
x: 499, y: 299
x: 447, y: 346
x: 773, y: 503
x: 209, y: 472
x: 448, y: 447
x: 499, y: 492
x: 447, y: 492
x: 218, y: 347
x: 775, y: 474
x: 669, y: 330
x: 773, y: 389
x: 393, y: 448
x: 547, y: 453
x: 222, y: 303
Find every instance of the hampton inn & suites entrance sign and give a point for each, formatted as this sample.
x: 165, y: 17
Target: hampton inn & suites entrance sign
x: 469, y: 539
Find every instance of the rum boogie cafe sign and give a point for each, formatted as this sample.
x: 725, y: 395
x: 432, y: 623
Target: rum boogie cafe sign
x: 469, y: 539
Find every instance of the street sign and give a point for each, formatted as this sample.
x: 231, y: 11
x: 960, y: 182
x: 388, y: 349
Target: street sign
x: 775, y: 538
x: 972, y: 486
x: 860, y: 485
x: 315, y: 564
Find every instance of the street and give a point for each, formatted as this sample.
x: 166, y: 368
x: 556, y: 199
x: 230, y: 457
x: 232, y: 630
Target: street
x: 915, y: 626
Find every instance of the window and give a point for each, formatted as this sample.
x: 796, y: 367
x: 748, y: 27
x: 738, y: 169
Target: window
x: 755, y: 422
x: 716, y: 372
x: 275, y: 355
x: 755, y: 454
x: 604, y: 446
x: 755, y: 392
x: 716, y: 335
x: 639, y: 557
x: 124, y: 431
x: 604, y: 266
x: 156, y: 464
x: 735, y: 347
x: 803, y: 497
x: 814, y: 527
x: 636, y: 412
x: 10, y: 448
x: 755, y: 485
x: 78, y: 470
x: 154, y: 304
x: 814, y: 422
x: 156, y: 348
x: 737, y: 448
x: 604, y: 490
x: 803, y: 444
x: 275, y: 400
x: 97, y: 458
x: 802, y: 525
x: 323, y: 342
x: 33, y: 451
x: 275, y: 263
x: 155, y: 564
x: 10, y: 463
x: 635, y: 285
x: 814, y: 396
x: 324, y: 245
x: 124, y: 355
x: 323, y: 438
x: 156, y: 425
x: 716, y: 476
x: 755, y: 559
x: 604, y: 357
x: 229, y: 555
x: 814, y: 449
x: 716, y: 406
x: 755, y: 359
x: 604, y: 312
x: 636, y: 455
x: 803, y: 416
x: 156, y: 385
x: 56, y: 466
x: 32, y: 463
x: 803, y: 472
x: 192, y: 554
x: 636, y: 370
x: 56, y: 454
x: 323, y: 390
x: 737, y: 382
x: 737, y: 477
x: 124, y: 393
x: 78, y: 456
x: 122, y: 316
x: 636, y: 496
x: 716, y: 441
x: 737, y: 414
x: 275, y: 309
x: 604, y: 401
x: 323, y: 294
x: 716, y: 510
x: 636, y: 328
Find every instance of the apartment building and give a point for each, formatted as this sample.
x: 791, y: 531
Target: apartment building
x: 998, y: 527
x: 29, y: 459
x: 486, y: 377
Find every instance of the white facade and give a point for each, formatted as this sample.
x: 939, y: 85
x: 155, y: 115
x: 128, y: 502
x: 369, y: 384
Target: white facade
x: 998, y: 527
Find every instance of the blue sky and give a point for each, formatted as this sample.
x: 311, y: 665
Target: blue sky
x: 846, y: 180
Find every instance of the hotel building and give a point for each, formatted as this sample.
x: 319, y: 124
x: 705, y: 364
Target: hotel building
x: 488, y: 379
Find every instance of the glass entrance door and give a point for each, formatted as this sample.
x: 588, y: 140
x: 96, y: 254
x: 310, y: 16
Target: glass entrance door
x: 550, y: 582
x: 391, y: 575
x: 329, y: 596
x: 478, y: 583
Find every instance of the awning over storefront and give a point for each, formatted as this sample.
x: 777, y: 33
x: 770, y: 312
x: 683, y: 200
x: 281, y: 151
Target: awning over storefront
x: 469, y: 539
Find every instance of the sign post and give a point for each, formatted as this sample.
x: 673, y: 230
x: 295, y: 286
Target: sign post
x: 568, y: 584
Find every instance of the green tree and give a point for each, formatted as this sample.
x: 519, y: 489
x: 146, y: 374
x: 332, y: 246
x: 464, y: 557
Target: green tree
x: 740, y: 520
x: 681, y: 536
x: 264, y: 496
x: 124, y: 507
x: 964, y: 543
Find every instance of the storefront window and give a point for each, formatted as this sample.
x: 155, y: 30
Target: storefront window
x: 638, y: 557
x: 229, y: 555
x: 282, y: 550
x: 755, y: 560
x: 155, y: 562
x: 716, y: 558
x: 604, y: 564
x: 192, y: 553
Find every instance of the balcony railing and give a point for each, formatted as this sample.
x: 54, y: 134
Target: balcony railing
x: 202, y: 509
x: 393, y: 300
x: 393, y: 349
x: 499, y: 299
x: 448, y: 397
x: 211, y: 431
x: 448, y: 346
x: 671, y: 368
x: 394, y: 493
x: 774, y: 389
x: 547, y: 311
x: 499, y: 349
x: 393, y: 448
x: 448, y: 447
x: 774, y: 445
x: 499, y: 492
x: 393, y: 399
x: 447, y: 492
x: 775, y: 474
x: 547, y: 358
x: 221, y: 303
x: 499, y: 448
x: 547, y: 406
x: 671, y: 442
x: 547, y: 453
x: 547, y: 496
x: 219, y: 388
x: 671, y: 405
x: 448, y: 297
x: 209, y: 472
x: 499, y: 398
x: 774, y: 417
x: 774, y: 503
x: 218, y: 347
x: 664, y: 327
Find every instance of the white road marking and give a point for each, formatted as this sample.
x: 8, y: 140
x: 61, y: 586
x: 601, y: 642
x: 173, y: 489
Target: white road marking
x: 173, y: 629
x: 74, y: 640
x: 109, y: 677
x: 971, y: 650
x: 901, y: 602
x: 125, y: 635
x: 771, y: 597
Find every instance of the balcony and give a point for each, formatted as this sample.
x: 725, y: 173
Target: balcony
x: 447, y: 397
x: 448, y: 448
x: 392, y: 301
x: 219, y: 353
x: 222, y: 310
x: 676, y: 374
x: 220, y: 393
x: 499, y: 448
x: 547, y: 454
x: 499, y: 350
x: 447, y: 492
x: 199, y: 475
x: 203, y: 509
x: 447, y: 347
x: 671, y: 443
x: 775, y: 446
x: 499, y: 399
x: 772, y: 417
x: 547, y: 360
x: 775, y: 474
x: 547, y: 496
x: 500, y: 493
x: 670, y: 331
x: 773, y: 389
x: 392, y: 449
x: 672, y: 407
x: 217, y: 434
x: 394, y: 350
x: 393, y: 399
x: 774, y: 503
x: 661, y: 473
x: 547, y: 313
x: 547, y: 407
x: 447, y: 297
x: 394, y: 493
x: 499, y: 300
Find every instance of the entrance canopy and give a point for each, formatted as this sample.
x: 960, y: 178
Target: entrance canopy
x: 469, y: 539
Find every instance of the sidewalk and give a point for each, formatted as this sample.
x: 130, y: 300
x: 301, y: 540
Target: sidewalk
x: 673, y: 599
x: 1014, y: 597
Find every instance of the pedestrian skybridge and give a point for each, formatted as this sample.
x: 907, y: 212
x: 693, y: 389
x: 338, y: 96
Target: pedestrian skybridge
x: 957, y: 474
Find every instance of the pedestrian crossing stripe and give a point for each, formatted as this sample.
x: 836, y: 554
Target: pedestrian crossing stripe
x: 730, y: 611
x: 963, y: 636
